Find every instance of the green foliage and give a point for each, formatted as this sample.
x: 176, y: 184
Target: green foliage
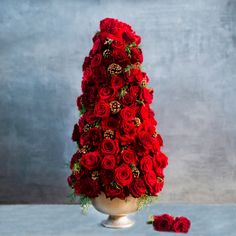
x: 85, y: 203
x: 72, y: 196
x: 82, y: 110
x: 139, y: 102
x: 146, y: 200
x: 76, y: 167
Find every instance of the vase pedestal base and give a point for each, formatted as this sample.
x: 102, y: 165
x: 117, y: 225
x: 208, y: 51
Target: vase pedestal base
x: 117, y: 222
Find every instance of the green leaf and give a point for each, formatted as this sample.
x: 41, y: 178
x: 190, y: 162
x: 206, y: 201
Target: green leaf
x: 139, y: 102
x: 83, y: 110
x: 85, y: 203
x: 77, y: 166
x: 146, y: 200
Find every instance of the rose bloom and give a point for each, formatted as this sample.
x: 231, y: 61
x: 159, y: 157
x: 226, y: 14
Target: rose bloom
x: 128, y: 127
x: 117, y: 82
x: 154, y: 185
x: 163, y: 222
x: 89, y: 187
x: 94, y: 136
x: 109, y: 146
x: 96, y: 61
x: 96, y: 47
x: 75, y: 158
x: 106, y: 176
x: 108, y: 162
x: 113, y: 192
x: 86, y: 63
x: 160, y: 160
x: 76, y: 134
x: 102, y: 109
x: 127, y: 113
x: 90, y: 160
x: 120, y: 57
x: 146, y: 95
x: 107, y: 94
x: 145, y: 139
x: 136, y: 55
x: 129, y: 156
x: 137, y: 188
x: 123, y: 175
x: 110, y: 123
x: 181, y: 225
x: 146, y: 164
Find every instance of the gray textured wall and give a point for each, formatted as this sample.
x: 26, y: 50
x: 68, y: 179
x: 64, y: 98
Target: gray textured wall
x: 190, y: 55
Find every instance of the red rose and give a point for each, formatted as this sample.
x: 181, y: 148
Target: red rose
x: 136, y: 55
x: 138, y: 75
x: 128, y: 128
x: 129, y: 156
x: 96, y: 47
x: 89, y: 187
x: 110, y: 123
x: 108, y: 162
x: 102, y: 109
x: 96, y: 61
x: 107, y: 94
x: 118, y: 44
x: 120, y: 57
x: 145, y: 139
x: 106, y: 176
x: 128, y: 99
x: 95, y: 136
x: 86, y: 63
x: 71, y: 180
x: 109, y: 147
x: 160, y: 160
x: 90, y: 117
x: 137, y: 187
x: 84, y: 139
x: 117, y: 82
x: 146, y: 164
x: 76, y: 134
x: 163, y: 222
x: 110, y: 25
x: 127, y: 113
x: 146, y: 95
x: 181, y: 225
x: 75, y: 158
x: 113, y: 192
x: 90, y: 160
x: 154, y: 185
x: 123, y: 175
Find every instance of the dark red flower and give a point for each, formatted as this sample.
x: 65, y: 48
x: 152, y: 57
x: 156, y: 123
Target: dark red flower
x: 145, y: 139
x: 127, y: 113
x: 137, y: 188
x: 107, y: 94
x: 113, y: 192
x: 163, y: 222
x: 89, y: 187
x: 123, y: 175
x: 146, y: 164
x: 181, y: 225
x: 90, y: 160
x: 160, y: 160
x: 76, y: 134
x: 154, y: 185
x: 117, y: 82
x: 109, y: 146
x: 96, y: 61
x: 129, y: 156
x: 102, y: 109
x: 108, y: 162
x: 136, y: 55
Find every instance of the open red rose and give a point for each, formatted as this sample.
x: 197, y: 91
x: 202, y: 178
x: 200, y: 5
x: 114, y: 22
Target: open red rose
x: 102, y: 109
x: 129, y: 156
x: 181, y: 225
x: 89, y: 187
x: 94, y: 136
x: 76, y: 134
x: 106, y: 176
x: 136, y: 55
x: 123, y: 175
x: 163, y: 222
x: 127, y: 113
x: 107, y: 93
x: 90, y: 160
x: 146, y: 95
x: 137, y: 187
x: 108, y: 162
x: 96, y: 61
x: 146, y: 164
x: 117, y: 82
x: 75, y: 158
x: 154, y: 185
x: 109, y: 147
x: 113, y: 192
x: 160, y: 160
x: 145, y: 139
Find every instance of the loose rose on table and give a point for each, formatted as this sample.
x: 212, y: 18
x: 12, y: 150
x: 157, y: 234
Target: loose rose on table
x: 169, y: 223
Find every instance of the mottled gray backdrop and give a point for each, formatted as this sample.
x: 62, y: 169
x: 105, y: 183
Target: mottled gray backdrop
x: 189, y: 54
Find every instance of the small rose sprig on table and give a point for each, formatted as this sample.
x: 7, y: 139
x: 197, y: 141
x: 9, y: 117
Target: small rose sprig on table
x: 169, y: 223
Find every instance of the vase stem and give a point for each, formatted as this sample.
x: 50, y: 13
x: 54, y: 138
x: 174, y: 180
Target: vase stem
x: 121, y: 221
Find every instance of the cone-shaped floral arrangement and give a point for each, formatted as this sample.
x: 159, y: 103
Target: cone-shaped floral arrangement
x: 119, y: 147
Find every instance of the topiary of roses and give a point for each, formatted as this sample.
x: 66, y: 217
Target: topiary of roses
x: 119, y: 148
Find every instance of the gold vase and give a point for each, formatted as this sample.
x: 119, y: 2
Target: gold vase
x: 117, y: 210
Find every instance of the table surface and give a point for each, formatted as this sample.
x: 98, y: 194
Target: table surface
x: 60, y: 220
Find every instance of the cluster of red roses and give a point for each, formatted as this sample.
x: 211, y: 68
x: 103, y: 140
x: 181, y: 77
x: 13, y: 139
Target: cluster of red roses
x: 118, y: 145
x: 169, y: 223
